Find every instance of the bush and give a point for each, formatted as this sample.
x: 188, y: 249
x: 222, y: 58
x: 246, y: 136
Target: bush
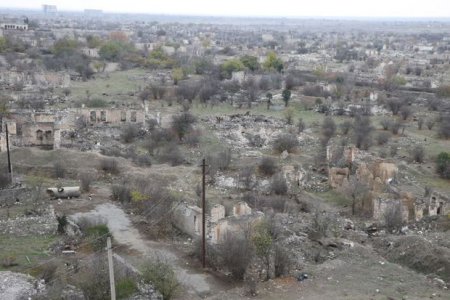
x: 9, y: 261
x: 129, y: 133
x: 125, y: 288
x: 278, y: 185
x: 97, y: 236
x: 86, y: 180
x: 236, y: 252
x: 285, y: 142
x: 385, y: 123
x: 5, y: 179
x: 328, y: 128
x: 362, y: 131
x: 443, y: 165
x: 277, y: 203
x: 383, y: 138
x: 97, y: 103
x: 161, y: 275
x: 345, y: 127
x: 301, y: 125
x: 268, y: 166
x: 444, y: 126
x: 172, y: 154
x: 282, y: 261
x: 62, y: 223
x: 121, y: 192
x: 418, y: 154
x: 59, y: 170
x: 393, y: 218
x: 247, y: 178
x: 93, y: 280
x: 109, y: 165
x: 395, y: 127
x: 182, y: 124
x: 430, y: 124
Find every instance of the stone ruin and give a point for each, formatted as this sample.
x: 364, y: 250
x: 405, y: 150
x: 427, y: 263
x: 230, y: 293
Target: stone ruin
x: 380, y: 177
x: 188, y: 219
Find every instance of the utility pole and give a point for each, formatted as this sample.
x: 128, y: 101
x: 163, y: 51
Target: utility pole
x: 203, y: 215
x: 9, y: 157
x: 111, y: 269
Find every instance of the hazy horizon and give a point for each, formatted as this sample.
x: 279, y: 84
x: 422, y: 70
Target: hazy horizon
x: 345, y: 9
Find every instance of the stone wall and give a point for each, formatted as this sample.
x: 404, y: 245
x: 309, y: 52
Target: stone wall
x: 113, y: 116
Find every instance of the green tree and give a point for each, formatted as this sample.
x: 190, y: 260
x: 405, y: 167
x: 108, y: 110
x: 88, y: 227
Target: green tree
x: 112, y: 50
x: 177, y: 75
x: 250, y: 62
x: 262, y: 240
x: 65, y: 46
x: 230, y: 66
x: 443, y: 165
x: 272, y: 62
x: 161, y: 275
x: 286, y: 96
x: 3, y: 44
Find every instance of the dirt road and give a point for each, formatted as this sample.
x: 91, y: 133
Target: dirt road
x: 196, y: 283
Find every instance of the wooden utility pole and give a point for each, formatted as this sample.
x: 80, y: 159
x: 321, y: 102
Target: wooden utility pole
x: 203, y: 215
x: 111, y: 269
x: 9, y: 157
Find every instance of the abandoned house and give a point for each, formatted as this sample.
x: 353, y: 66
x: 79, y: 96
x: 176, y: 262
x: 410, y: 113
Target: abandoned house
x: 113, y: 116
x: 189, y: 220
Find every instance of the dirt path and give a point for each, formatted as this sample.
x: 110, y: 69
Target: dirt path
x: 197, y: 284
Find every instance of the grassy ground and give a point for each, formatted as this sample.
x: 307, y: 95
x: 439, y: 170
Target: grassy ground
x: 33, y: 247
x: 118, y: 86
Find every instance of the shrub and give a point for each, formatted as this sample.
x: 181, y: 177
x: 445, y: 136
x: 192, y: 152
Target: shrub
x: 182, y: 124
x: 129, y: 133
x: 246, y: 178
x: 282, y: 261
x: 393, y: 150
x: 93, y: 280
x: 62, y: 223
x: 420, y: 122
x: 443, y: 165
x: 275, y: 202
x: 109, y: 165
x: 345, y: 127
x: 278, y: 185
x: 97, y: 103
x: 86, y: 181
x: 285, y: 142
x: 328, y: 128
x: 393, y: 218
x: 97, y: 236
x: 405, y: 112
x: 125, y: 288
x: 418, y: 154
x: 301, y: 125
x: 9, y: 261
x: 267, y: 166
x: 143, y: 160
x: 161, y: 275
x: 430, y: 124
x: 385, y: 123
x: 121, y: 192
x: 395, y: 127
x: 383, y: 138
x: 236, y: 253
x: 444, y: 126
x: 172, y: 154
x: 5, y: 179
x: 362, y: 131
x: 59, y: 170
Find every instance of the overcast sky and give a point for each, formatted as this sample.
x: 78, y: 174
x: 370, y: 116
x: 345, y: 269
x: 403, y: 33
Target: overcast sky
x: 271, y: 8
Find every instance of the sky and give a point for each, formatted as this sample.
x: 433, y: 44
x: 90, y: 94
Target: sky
x: 256, y: 8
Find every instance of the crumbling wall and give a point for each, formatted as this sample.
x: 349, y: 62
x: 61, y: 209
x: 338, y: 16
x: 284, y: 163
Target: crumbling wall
x: 113, y: 116
x: 338, y: 177
x: 188, y: 219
